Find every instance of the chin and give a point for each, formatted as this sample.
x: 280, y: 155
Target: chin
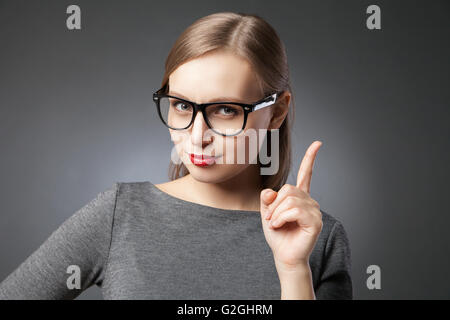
x: 214, y: 174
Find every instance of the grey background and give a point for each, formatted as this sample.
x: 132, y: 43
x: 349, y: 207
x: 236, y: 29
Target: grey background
x: 76, y: 115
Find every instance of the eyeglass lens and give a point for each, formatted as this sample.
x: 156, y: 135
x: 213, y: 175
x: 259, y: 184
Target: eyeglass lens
x: 223, y: 118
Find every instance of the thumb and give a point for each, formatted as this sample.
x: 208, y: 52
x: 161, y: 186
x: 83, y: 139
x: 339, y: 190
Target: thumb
x: 267, y: 197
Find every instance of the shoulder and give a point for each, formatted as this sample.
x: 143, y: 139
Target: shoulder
x: 133, y: 190
x: 134, y: 199
x: 98, y: 210
x: 124, y: 187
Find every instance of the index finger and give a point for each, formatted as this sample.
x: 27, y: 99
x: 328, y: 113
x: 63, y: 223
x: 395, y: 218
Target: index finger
x: 306, y: 167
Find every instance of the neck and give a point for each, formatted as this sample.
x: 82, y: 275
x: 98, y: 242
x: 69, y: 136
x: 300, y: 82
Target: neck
x: 241, y: 192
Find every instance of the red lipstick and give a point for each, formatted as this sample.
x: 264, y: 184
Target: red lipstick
x: 202, y: 160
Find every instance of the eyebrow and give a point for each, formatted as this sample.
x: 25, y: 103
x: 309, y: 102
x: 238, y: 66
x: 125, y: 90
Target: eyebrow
x: 218, y: 99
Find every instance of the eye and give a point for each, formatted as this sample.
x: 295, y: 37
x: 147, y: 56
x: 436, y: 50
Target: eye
x: 227, y: 110
x: 181, y: 106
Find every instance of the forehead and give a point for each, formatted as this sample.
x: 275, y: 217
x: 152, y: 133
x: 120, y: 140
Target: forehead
x: 215, y: 74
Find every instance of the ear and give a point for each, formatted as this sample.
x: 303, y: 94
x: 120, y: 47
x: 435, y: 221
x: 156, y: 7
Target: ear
x: 280, y: 110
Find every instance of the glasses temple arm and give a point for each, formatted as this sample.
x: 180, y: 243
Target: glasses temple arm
x: 267, y: 102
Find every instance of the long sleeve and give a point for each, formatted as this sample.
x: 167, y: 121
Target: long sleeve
x: 83, y: 241
x: 335, y: 280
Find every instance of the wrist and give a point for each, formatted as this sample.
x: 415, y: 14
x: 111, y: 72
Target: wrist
x: 295, y: 281
x: 302, y: 267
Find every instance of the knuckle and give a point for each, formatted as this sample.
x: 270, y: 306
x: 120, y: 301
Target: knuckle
x: 286, y: 189
x: 291, y: 201
x: 275, y: 215
x: 315, y: 204
x: 320, y: 215
x: 297, y: 211
x: 289, y: 188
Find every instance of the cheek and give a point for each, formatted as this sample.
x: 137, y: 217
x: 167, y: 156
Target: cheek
x: 178, y: 137
x: 242, y: 149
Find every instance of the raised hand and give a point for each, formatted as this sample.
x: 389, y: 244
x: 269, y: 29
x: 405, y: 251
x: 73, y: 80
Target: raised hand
x: 291, y: 219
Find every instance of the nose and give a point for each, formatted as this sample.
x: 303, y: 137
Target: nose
x: 198, y: 136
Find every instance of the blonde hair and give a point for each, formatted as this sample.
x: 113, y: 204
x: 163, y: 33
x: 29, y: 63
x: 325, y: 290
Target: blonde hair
x: 252, y: 38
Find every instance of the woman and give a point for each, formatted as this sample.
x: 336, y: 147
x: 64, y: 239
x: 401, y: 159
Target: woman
x: 219, y: 229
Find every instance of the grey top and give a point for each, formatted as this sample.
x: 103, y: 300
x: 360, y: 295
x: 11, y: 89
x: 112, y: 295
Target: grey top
x: 137, y: 242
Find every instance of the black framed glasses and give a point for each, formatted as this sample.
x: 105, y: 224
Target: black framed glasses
x: 224, y: 118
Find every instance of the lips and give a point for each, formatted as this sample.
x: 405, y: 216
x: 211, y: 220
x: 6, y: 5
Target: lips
x: 202, y: 160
